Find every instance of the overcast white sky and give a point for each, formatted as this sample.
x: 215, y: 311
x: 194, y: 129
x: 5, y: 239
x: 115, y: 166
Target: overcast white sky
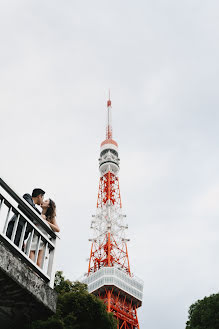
x: 160, y: 59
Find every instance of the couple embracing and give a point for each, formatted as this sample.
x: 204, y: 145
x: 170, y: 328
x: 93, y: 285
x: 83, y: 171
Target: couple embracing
x: 48, y: 214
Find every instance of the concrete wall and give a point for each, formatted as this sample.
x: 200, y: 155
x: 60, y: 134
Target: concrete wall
x: 24, y: 296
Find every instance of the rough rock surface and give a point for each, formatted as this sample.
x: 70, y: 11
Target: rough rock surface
x: 24, y: 296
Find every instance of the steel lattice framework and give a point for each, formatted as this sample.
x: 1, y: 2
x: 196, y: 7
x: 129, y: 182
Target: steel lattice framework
x: 109, y: 275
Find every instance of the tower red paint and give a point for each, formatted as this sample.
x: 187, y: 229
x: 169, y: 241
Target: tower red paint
x: 109, y: 275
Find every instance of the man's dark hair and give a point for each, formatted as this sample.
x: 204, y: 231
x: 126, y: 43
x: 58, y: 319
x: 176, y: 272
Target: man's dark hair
x: 36, y: 192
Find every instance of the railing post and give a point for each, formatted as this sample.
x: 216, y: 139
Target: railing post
x: 29, y: 243
x: 22, y: 235
x: 45, y: 251
x: 1, y: 203
x: 7, y: 220
x: 15, y: 228
x: 50, y: 270
x: 37, y: 249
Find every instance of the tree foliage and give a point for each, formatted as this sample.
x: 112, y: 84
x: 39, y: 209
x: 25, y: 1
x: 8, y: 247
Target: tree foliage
x: 204, y: 314
x: 76, y: 309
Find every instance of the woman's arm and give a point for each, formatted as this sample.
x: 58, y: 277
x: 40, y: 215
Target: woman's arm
x: 54, y: 226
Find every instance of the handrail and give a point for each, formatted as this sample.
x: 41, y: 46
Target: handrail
x: 15, y: 211
x: 30, y: 210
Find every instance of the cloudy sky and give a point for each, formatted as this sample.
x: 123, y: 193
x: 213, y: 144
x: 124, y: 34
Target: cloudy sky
x: 160, y: 59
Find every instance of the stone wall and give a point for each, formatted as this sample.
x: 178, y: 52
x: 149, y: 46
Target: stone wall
x: 24, y: 296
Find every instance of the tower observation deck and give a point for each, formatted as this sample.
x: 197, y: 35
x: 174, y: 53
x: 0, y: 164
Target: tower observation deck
x: 109, y: 275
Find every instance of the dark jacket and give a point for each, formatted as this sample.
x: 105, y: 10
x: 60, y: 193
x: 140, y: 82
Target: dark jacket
x: 21, y: 222
x: 29, y: 199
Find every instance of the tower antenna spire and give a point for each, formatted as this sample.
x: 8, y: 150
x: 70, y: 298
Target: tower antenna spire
x: 109, y: 119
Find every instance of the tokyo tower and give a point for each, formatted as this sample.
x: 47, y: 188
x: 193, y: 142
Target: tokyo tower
x: 109, y: 276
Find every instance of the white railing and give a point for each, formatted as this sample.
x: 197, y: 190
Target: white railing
x: 25, y: 225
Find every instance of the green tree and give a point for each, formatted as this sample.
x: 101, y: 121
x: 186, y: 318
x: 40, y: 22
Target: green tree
x: 76, y: 309
x: 204, y: 314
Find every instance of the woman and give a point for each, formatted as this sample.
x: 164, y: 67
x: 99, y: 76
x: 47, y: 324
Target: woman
x: 49, y: 215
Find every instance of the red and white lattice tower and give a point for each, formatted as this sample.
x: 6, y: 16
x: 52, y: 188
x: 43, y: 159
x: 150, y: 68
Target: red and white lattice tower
x: 109, y: 275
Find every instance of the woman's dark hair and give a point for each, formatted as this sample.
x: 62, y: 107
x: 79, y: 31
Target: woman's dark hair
x: 51, y: 211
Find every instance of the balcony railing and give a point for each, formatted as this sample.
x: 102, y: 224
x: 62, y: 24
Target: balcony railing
x: 28, y: 225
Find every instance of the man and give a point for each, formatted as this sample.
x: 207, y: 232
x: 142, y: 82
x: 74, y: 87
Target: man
x: 35, y: 199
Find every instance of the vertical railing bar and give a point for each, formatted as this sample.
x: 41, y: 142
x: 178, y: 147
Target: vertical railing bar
x: 37, y: 249
x: 1, y: 203
x: 29, y: 243
x: 44, y: 255
x: 15, y: 228
x: 22, y: 235
x: 51, y: 257
x: 7, y: 219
